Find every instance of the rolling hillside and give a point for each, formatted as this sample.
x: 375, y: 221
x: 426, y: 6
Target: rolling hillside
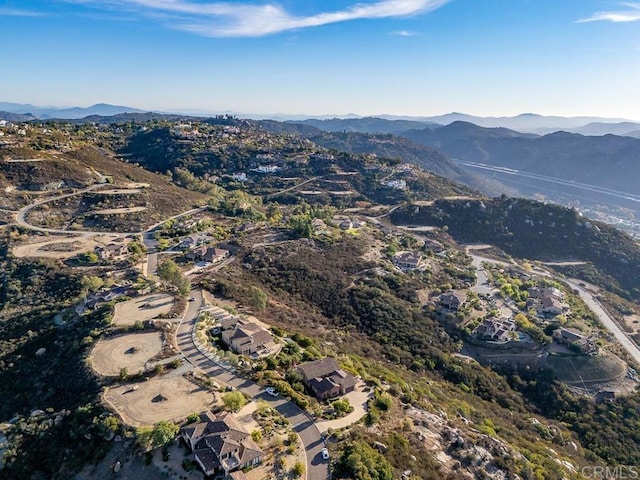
x: 26, y: 175
x: 390, y: 146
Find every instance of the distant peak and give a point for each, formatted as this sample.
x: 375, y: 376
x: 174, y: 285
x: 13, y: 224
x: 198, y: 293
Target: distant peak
x: 462, y: 124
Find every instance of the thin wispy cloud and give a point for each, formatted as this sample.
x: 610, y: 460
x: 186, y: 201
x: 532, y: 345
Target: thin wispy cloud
x: 404, y: 33
x: 14, y: 12
x: 225, y: 19
x: 631, y: 13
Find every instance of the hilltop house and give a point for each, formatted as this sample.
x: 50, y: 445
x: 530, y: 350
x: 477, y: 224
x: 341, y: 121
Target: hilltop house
x: 605, y: 396
x: 92, y: 301
x: 323, y: 156
x: 208, y: 254
x: 552, y: 306
x: 325, y: 379
x: 495, y: 329
x: 396, y: 184
x: 548, y: 302
x: 185, y: 130
x: 192, y: 241
x: 408, y: 260
x: 574, y: 338
x: 452, y: 300
x: 552, y: 292
x: 220, y: 444
x: 546, y: 292
x: 113, y: 252
x: 319, y: 227
x: 431, y: 245
x: 267, y: 169
x: 246, y: 338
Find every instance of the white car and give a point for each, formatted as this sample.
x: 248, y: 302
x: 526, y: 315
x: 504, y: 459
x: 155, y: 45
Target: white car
x: 272, y: 391
x: 325, y: 453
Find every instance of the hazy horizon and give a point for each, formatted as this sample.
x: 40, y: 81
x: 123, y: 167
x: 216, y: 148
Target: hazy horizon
x: 329, y: 115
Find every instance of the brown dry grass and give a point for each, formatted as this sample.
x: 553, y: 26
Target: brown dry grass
x: 54, y: 247
x: 109, y: 356
x: 137, y: 408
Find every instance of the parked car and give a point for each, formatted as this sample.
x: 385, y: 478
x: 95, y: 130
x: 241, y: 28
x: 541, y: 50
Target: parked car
x: 325, y: 453
x: 192, y: 299
x: 272, y: 391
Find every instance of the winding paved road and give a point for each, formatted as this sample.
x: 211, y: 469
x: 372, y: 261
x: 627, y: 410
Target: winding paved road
x: 317, y: 467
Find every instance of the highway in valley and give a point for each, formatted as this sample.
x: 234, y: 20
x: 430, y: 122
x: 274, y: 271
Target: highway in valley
x: 557, y: 181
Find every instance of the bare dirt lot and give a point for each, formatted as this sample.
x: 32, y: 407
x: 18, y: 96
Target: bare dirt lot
x: 142, y: 309
x: 54, y: 247
x: 143, y: 406
x: 130, y: 351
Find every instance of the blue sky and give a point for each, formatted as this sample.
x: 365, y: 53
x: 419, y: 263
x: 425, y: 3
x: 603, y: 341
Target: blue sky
x: 403, y: 57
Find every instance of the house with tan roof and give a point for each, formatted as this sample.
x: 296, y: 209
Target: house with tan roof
x: 408, y: 260
x: 247, y: 338
x: 112, y: 252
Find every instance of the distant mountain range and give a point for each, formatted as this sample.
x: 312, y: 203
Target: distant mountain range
x: 365, y: 124
x: 103, y: 109
x: 531, y: 122
x: 526, y: 122
x: 16, y: 117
